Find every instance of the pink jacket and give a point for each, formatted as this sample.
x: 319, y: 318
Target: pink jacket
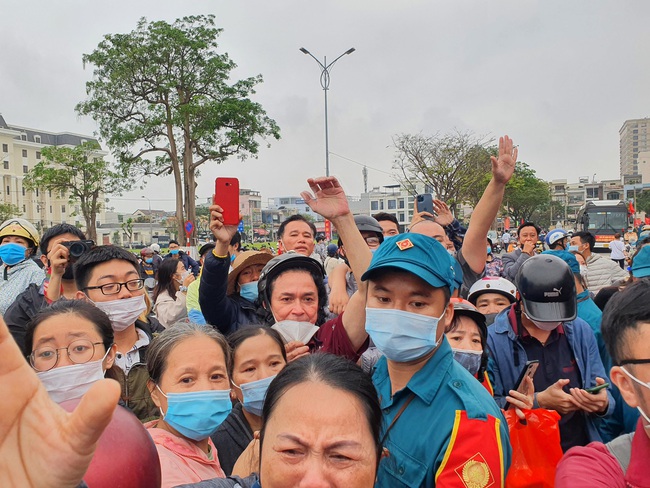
x: 181, y: 461
x: 594, y: 466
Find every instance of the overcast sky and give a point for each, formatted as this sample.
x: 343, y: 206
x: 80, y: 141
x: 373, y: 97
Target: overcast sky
x: 560, y: 77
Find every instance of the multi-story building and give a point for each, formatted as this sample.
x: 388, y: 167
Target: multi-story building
x: 634, y: 139
x: 294, y: 205
x: 20, y: 151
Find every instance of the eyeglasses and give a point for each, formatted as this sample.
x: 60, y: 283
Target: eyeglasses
x: 372, y: 241
x: 45, y: 358
x: 115, y: 288
x: 634, y: 361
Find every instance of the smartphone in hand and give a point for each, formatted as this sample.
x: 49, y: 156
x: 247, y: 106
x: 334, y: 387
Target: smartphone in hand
x: 528, y: 371
x: 226, y: 195
x: 425, y: 203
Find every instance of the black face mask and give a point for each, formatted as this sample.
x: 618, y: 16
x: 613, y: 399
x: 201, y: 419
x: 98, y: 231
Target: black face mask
x: 489, y: 318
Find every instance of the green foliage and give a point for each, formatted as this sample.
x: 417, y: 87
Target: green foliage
x: 80, y: 174
x: 643, y: 202
x: 164, y: 102
x: 127, y: 227
x: 456, y: 167
x: 526, y: 194
x: 9, y: 210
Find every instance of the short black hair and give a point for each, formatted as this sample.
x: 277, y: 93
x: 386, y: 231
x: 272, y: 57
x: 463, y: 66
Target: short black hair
x: 98, y: 255
x: 625, y: 311
x: 206, y: 247
x: 320, y: 286
x: 173, y: 241
x: 296, y: 218
x: 333, y: 371
x: 528, y: 224
x: 57, y: 230
x: 236, y: 241
x: 379, y: 216
x: 80, y: 308
x: 586, y: 238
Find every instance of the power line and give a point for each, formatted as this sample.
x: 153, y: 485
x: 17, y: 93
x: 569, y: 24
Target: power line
x: 361, y: 164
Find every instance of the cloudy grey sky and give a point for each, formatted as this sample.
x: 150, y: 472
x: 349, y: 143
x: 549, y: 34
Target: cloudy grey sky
x: 560, y: 77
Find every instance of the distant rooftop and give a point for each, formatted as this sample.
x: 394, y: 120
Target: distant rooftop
x: 47, y: 138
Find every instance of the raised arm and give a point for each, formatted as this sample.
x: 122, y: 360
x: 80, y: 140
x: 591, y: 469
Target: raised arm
x: 41, y: 445
x: 330, y: 202
x: 503, y: 167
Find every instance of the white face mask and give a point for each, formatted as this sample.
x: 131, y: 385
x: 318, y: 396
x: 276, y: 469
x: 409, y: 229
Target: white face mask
x: 71, y: 382
x: 646, y: 385
x: 583, y: 271
x: 292, y: 330
x: 124, y: 312
x: 547, y: 326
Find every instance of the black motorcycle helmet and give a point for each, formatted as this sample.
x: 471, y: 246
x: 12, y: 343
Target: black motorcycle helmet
x: 547, y: 289
x: 280, y: 264
x: 366, y: 223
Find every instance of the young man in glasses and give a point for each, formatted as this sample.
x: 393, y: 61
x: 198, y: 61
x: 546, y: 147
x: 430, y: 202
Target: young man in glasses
x: 109, y: 277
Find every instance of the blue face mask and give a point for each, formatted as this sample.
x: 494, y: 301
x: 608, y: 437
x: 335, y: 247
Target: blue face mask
x: 402, y: 336
x: 197, y: 414
x: 489, y: 249
x: 148, y: 260
x: 174, y: 251
x: 470, y: 360
x: 12, y: 253
x: 249, y: 291
x: 573, y: 248
x: 254, y: 394
x: 232, y: 257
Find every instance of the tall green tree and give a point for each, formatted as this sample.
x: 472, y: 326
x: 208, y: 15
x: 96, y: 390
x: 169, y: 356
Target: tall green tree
x: 456, y: 167
x: 9, y: 210
x: 526, y: 193
x: 164, y: 102
x: 79, y: 173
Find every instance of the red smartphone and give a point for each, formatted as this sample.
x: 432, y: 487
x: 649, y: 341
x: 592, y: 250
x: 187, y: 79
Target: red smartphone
x: 226, y: 195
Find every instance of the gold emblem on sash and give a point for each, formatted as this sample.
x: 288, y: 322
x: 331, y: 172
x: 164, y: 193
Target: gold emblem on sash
x: 475, y: 472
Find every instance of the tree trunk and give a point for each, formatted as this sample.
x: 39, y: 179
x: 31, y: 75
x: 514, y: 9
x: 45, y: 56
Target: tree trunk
x: 189, y: 180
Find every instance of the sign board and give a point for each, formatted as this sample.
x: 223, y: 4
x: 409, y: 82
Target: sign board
x: 240, y: 227
x: 189, y: 227
x: 328, y: 230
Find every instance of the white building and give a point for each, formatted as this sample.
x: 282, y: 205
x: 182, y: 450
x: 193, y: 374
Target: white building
x: 20, y: 151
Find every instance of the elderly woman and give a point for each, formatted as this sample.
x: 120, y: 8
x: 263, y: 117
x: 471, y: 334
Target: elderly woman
x: 188, y: 370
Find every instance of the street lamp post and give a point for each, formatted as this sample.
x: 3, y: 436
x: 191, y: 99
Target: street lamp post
x: 150, y: 220
x: 325, y: 83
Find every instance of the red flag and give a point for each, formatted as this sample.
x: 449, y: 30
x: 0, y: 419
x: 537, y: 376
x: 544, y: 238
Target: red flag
x: 647, y: 221
x: 630, y: 209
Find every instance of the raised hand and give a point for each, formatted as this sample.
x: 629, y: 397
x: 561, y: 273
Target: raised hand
x: 503, y: 167
x: 445, y: 217
x: 41, y: 445
x: 223, y: 233
x: 329, y: 199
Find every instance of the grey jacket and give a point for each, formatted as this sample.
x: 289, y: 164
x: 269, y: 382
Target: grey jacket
x: 602, y: 272
x: 512, y: 261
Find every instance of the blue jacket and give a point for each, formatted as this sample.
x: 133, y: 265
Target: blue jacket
x: 590, y: 313
x: 188, y: 262
x: 226, y: 313
x: 504, y: 373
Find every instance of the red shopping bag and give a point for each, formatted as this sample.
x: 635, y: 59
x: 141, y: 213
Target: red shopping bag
x: 536, y: 448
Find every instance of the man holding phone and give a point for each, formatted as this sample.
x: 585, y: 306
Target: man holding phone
x: 542, y: 325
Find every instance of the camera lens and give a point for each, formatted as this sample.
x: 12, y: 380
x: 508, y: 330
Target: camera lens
x: 77, y: 249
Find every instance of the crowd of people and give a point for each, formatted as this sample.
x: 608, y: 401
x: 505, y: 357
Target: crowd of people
x: 386, y: 359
